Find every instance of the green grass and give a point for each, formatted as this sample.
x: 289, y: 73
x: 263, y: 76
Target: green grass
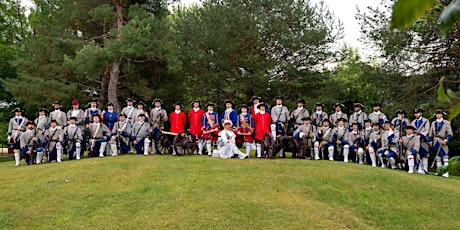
x: 200, y: 192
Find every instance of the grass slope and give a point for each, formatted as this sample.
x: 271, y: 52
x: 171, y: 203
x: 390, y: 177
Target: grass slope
x: 199, y: 192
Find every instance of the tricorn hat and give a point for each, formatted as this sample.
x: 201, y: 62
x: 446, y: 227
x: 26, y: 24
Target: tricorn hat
x: 441, y: 112
x: 411, y: 127
x: 178, y: 103
x: 229, y: 101
x: 339, y: 105
x: 57, y: 103
x: 141, y: 115
x: 141, y: 103
x: 73, y: 118
x: 43, y: 110
x: 300, y: 101
x: 377, y: 104
x: 96, y: 115
x: 261, y: 104
x: 419, y: 110
x: 30, y: 123
x: 110, y: 104
x: 325, y: 119
x: 306, y: 118
x: 358, y: 105
x: 244, y: 106
x: 17, y: 109
x: 210, y: 104
x: 319, y: 104
x: 279, y: 98
x: 255, y: 97
x: 193, y: 102
x: 54, y: 120
x: 157, y: 100
x: 342, y: 119
x: 401, y: 111
x: 130, y: 99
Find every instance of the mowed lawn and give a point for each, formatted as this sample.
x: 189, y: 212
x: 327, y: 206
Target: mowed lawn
x: 200, y: 192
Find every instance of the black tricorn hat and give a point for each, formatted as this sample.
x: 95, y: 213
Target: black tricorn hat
x: 43, y: 110
x: 130, y: 99
x: 319, y: 104
x: 178, y: 103
x: 358, y: 105
x: 141, y: 103
x: 96, y: 115
x: 243, y: 106
x: 73, y: 118
x: 306, y: 118
x: 157, y: 100
x: 355, y: 123
x: 54, y: 120
x: 300, y: 101
x: 401, y: 111
x: 419, y: 110
x: 93, y: 100
x: 441, y: 112
x: 199, y: 104
x: 368, y: 120
x: 339, y: 105
x: 30, y: 123
x: 17, y: 109
x: 377, y: 123
x: 279, y: 97
x: 110, y: 104
x: 210, y: 104
x: 342, y: 119
x: 141, y: 115
x: 122, y: 115
x: 411, y: 127
x: 262, y: 104
x: 57, y: 103
x: 376, y: 104
x: 255, y: 97
x: 229, y: 101
x: 325, y: 119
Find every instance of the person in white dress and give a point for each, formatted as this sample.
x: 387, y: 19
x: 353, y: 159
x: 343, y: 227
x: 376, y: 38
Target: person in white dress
x: 228, y: 148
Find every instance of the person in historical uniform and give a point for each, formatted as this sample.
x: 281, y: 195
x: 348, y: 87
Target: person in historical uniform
x: 319, y: 115
x: 129, y: 109
x: 422, y: 129
x: 98, y: 134
x: 140, y: 135
x: 227, y: 142
x: 439, y: 137
x: 338, y: 114
x: 158, y: 116
x: 229, y: 113
x: 109, y: 116
x: 30, y: 143
x: 53, y: 143
x: 42, y: 122
x: 307, y: 134
x: 400, y: 122
x: 341, y: 139
x: 324, y: 139
x: 358, y: 116
x: 390, y: 141
x: 78, y: 113
x: 17, y: 125
x: 365, y: 136
x: 89, y: 112
x: 58, y: 115
x: 262, y: 121
x: 72, y: 138
x: 299, y: 113
x: 356, y: 143
x: 140, y: 109
x: 255, y: 100
x: 375, y: 144
x: 411, y: 146
x: 245, y: 129
x: 210, y: 127
x: 121, y: 134
x: 377, y: 115
x: 194, y: 119
x: 177, y: 120
x: 280, y: 117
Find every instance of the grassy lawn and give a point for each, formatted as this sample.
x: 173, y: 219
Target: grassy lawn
x: 200, y: 192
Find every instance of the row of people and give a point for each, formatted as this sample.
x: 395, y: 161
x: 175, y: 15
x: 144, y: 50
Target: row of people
x: 251, y: 124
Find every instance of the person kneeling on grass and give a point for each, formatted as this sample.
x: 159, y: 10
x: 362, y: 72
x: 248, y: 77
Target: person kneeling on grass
x: 227, y: 146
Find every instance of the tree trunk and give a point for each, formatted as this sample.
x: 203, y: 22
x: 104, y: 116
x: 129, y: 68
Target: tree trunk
x: 113, y: 81
x: 104, y: 86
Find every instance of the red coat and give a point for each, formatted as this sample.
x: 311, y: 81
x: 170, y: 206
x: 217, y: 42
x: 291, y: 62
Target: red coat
x: 194, y: 119
x: 262, y: 124
x: 177, y: 122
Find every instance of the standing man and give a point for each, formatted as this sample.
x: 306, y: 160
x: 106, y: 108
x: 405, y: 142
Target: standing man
x: 91, y: 111
x: 338, y: 114
x: 194, y: 119
x: 140, y: 109
x: 98, y: 135
x: 422, y: 129
x: 109, y: 117
x: 121, y: 134
x: 306, y: 133
x: 210, y: 127
x: 79, y: 115
x: 72, y: 137
x: 58, y: 115
x: 255, y: 100
x: 262, y: 121
x: 400, y: 122
x: 245, y: 128
x: 157, y: 118
x: 42, y: 122
x: 16, y: 127
x: 298, y: 114
x: 140, y: 135
x: 129, y: 109
x: 319, y: 115
x: 439, y: 137
x: 280, y: 117
x: 389, y: 149
x: 177, y: 120
x: 30, y: 142
x: 358, y: 116
x: 377, y: 116
x: 53, y: 146
x: 229, y: 113
x: 411, y: 145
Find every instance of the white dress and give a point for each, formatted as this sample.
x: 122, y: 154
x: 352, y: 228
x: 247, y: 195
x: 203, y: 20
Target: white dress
x: 229, y: 149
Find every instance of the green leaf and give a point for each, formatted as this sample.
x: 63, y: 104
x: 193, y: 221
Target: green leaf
x: 449, y: 16
x: 442, y: 97
x: 405, y: 12
x: 454, y: 111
